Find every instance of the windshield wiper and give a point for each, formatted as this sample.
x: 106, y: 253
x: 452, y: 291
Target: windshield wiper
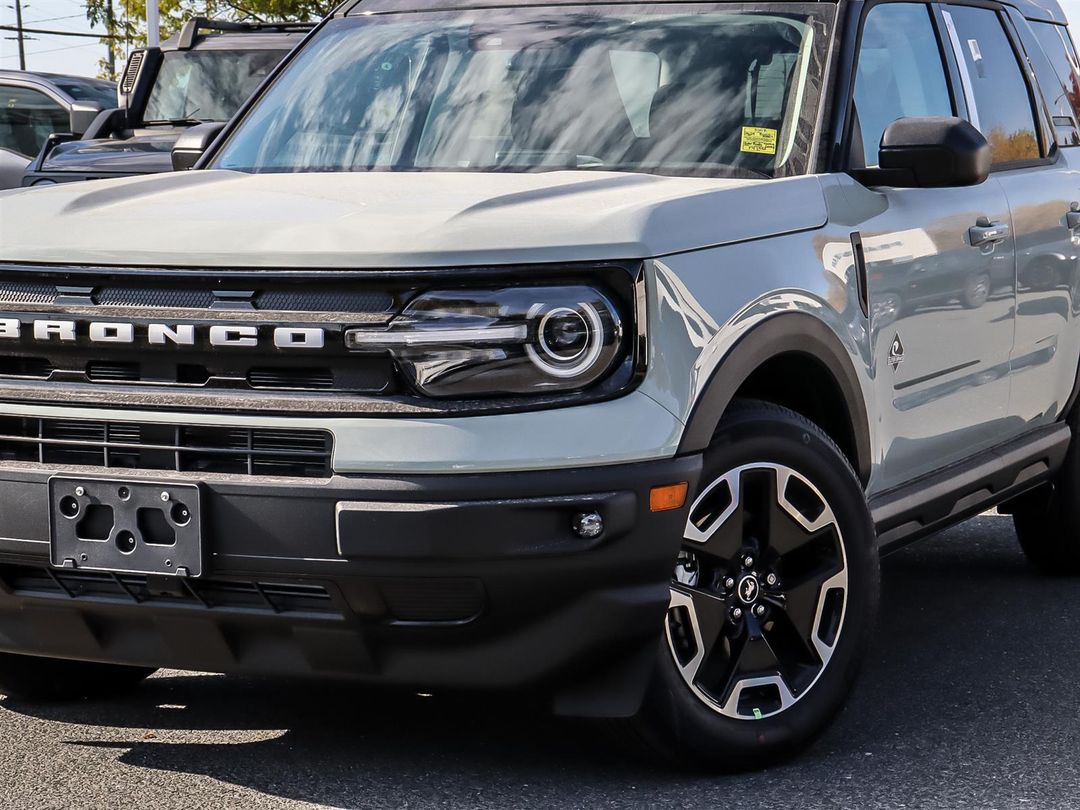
x: 188, y: 119
x: 174, y: 122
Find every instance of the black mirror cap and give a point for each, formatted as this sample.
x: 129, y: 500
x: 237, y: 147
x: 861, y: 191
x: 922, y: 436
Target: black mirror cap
x: 107, y: 123
x: 193, y: 143
x: 932, y: 152
x: 81, y: 116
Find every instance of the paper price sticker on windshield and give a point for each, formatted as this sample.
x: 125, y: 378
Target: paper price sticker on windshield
x: 758, y: 140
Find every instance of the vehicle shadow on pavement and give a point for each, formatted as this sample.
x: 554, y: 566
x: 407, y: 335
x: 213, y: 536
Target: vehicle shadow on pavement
x: 966, y: 700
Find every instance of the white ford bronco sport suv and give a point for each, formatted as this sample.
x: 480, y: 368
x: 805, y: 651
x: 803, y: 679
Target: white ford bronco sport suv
x: 595, y: 350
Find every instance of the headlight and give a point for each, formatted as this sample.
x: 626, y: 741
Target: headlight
x: 516, y: 340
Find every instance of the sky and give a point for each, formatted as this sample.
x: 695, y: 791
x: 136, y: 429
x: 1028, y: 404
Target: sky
x: 52, y: 54
x: 80, y: 56
x: 1072, y: 12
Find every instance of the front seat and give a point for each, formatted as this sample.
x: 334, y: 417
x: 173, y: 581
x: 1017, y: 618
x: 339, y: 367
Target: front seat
x: 683, y: 129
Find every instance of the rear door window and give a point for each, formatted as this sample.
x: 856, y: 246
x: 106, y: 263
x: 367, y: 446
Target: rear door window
x: 1059, y: 76
x: 992, y: 73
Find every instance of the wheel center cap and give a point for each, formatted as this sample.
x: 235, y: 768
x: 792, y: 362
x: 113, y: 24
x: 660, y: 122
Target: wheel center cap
x: 749, y: 589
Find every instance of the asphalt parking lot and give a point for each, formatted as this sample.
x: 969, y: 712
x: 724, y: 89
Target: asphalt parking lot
x: 969, y: 700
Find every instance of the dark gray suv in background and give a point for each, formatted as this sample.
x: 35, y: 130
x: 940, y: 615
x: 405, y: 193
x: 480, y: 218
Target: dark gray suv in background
x: 35, y: 105
x: 203, y: 74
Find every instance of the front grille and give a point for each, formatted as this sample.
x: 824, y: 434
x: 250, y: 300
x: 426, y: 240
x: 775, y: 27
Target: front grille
x: 27, y: 367
x: 113, y: 372
x: 268, y: 340
x: 311, y: 379
x: 28, y: 292
x: 180, y: 448
x: 290, y: 599
x: 256, y: 365
x: 156, y: 299
x: 372, y: 301
x: 368, y: 303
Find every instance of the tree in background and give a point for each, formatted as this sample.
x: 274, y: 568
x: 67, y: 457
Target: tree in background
x: 126, y: 20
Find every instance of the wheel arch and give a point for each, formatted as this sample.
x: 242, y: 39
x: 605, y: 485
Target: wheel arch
x: 795, y: 342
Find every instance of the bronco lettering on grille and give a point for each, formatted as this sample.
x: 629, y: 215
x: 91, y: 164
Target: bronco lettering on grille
x: 160, y: 334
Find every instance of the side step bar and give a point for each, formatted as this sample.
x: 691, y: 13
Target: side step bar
x: 941, y: 499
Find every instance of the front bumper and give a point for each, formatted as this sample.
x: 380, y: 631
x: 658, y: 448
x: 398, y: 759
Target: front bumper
x: 429, y: 581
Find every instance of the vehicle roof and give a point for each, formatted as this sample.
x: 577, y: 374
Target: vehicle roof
x: 238, y: 42
x: 206, y: 34
x: 52, y: 78
x: 1040, y: 9
x: 1033, y: 9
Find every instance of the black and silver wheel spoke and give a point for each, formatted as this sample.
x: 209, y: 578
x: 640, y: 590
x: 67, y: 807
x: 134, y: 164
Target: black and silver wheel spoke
x: 716, y: 521
x: 706, y: 616
x: 760, y: 588
x: 796, y: 657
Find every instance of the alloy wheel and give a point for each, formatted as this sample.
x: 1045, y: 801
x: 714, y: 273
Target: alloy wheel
x: 759, y: 591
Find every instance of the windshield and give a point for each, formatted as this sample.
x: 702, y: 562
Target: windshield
x: 207, y: 85
x: 104, y: 93
x: 704, y: 89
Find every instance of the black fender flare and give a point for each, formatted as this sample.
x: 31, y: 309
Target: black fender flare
x: 785, y: 333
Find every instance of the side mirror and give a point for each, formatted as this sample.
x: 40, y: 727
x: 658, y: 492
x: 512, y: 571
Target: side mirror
x: 82, y: 115
x: 929, y: 152
x: 192, y: 143
x: 107, y: 123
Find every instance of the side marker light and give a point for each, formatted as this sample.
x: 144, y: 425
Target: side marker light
x: 672, y: 496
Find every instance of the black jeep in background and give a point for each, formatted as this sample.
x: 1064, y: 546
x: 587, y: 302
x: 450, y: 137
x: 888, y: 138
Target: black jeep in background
x: 204, y: 74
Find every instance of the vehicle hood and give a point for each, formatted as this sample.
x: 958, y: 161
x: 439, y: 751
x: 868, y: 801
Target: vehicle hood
x: 387, y: 219
x: 142, y: 154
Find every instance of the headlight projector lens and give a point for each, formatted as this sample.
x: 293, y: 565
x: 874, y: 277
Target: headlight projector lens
x: 570, y: 340
x: 564, y: 334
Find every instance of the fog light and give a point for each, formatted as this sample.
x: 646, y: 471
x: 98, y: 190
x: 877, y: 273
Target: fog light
x: 588, y: 525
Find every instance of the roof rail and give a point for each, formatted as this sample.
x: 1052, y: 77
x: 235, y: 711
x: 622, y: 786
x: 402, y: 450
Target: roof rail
x: 195, y: 25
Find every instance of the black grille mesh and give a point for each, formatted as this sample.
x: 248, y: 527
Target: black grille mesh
x: 324, y: 301
x: 153, y: 298
x: 356, y: 302
x: 181, y: 448
x: 27, y: 292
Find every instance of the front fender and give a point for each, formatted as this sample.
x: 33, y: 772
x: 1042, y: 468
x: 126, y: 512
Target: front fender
x: 777, y: 334
x: 718, y: 315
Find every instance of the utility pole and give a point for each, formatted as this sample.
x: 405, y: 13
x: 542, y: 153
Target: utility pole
x: 153, y: 24
x: 19, y: 34
x: 110, y: 59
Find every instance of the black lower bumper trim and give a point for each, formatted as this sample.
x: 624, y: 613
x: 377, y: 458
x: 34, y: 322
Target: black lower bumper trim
x: 470, y: 581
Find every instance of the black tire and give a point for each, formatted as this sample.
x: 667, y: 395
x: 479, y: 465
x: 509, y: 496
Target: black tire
x: 687, y: 725
x: 28, y: 677
x: 1047, y: 519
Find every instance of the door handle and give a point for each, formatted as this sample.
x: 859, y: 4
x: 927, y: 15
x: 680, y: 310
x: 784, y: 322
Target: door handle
x: 1072, y: 219
x: 986, y: 232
